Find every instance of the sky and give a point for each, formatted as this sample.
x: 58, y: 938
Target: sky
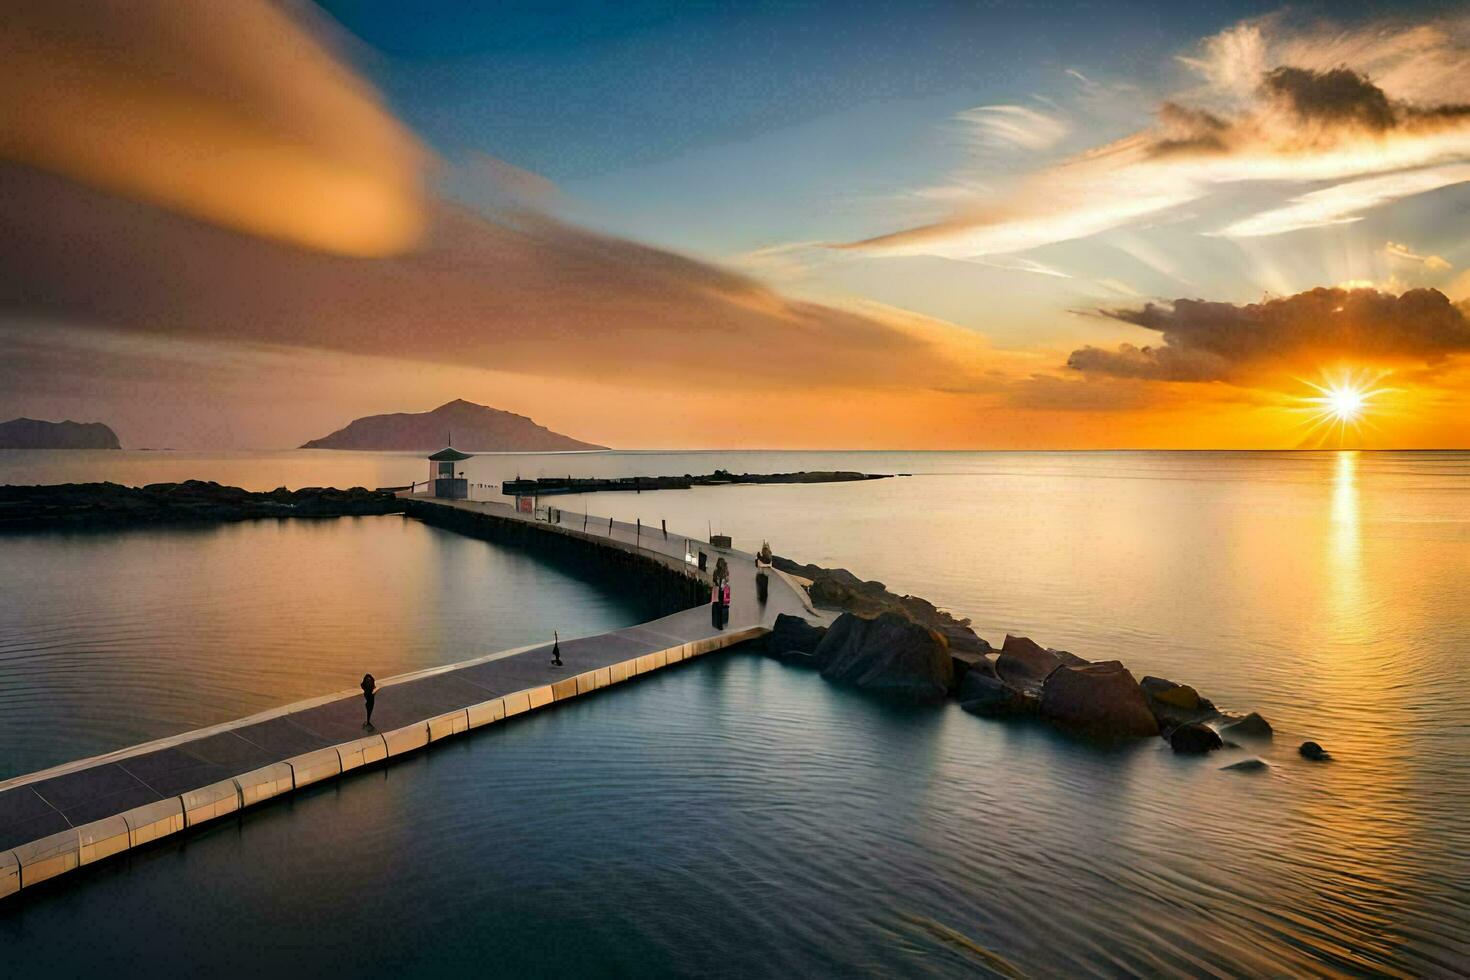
x: 934, y: 225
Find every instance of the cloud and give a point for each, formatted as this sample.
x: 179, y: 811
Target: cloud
x: 1389, y: 119
x: 1211, y: 341
x: 1401, y: 252
x: 212, y: 172
x: 228, y: 112
x: 518, y: 291
x: 1345, y: 203
x: 1015, y: 126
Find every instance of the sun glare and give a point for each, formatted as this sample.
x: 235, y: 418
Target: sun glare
x: 1345, y: 404
x: 1339, y: 407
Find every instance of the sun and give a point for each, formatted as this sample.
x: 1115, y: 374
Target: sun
x: 1340, y: 406
x: 1345, y: 404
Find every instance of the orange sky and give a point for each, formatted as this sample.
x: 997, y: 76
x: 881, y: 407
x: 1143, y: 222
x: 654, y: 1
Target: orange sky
x: 218, y: 235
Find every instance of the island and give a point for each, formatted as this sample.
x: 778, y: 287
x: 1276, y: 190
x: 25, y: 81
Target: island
x: 464, y: 425
x: 24, y: 433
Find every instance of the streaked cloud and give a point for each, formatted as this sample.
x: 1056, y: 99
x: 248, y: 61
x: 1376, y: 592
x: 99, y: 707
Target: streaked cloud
x: 1403, y: 253
x: 1378, y: 114
x: 1345, y: 203
x: 1015, y: 126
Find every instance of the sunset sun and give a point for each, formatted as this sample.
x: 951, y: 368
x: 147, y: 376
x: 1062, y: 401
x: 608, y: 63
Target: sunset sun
x: 1345, y: 404
x: 1340, y: 404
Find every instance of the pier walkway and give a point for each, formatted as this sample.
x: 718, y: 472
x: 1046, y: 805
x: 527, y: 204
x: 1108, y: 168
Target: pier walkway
x: 82, y: 812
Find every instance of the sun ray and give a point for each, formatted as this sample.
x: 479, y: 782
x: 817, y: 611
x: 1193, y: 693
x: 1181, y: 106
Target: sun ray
x: 1340, y: 408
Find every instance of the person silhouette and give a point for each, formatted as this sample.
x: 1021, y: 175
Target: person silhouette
x: 369, y: 695
x: 555, y: 649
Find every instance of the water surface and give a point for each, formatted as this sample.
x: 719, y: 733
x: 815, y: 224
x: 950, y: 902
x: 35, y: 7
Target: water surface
x: 738, y: 817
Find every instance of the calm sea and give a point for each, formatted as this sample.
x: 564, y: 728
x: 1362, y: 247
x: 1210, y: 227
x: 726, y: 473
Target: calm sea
x: 737, y: 817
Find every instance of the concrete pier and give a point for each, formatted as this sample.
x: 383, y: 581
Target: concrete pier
x: 77, y: 814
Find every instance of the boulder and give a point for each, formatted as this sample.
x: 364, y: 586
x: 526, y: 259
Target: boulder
x: 983, y: 693
x: 1246, y: 765
x: 1314, y: 752
x: 1175, y: 704
x: 794, y: 639
x: 1024, y: 663
x: 1251, y: 726
x: 890, y: 654
x: 1194, y: 738
x: 1100, y: 699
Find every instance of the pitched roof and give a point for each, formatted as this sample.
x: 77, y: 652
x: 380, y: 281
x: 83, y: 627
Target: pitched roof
x: 448, y: 454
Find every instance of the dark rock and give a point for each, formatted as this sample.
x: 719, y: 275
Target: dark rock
x: 1175, y: 704
x: 1194, y: 738
x: 1251, y: 726
x: 1100, y: 699
x: 1069, y: 659
x: 1314, y: 752
x: 1023, y: 663
x: 890, y: 655
x: 1245, y: 765
x: 194, y: 501
x: 793, y: 638
x: 985, y: 694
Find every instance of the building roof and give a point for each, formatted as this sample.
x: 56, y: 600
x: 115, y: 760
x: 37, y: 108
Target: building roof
x: 448, y: 454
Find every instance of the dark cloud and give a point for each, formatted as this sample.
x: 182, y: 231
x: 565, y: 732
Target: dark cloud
x: 1208, y: 341
x: 1310, y: 108
x: 1338, y: 97
x: 517, y: 292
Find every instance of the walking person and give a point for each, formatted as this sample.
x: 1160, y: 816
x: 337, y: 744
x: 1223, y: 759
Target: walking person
x: 714, y: 607
x: 725, y: 604
x: 369, y: 695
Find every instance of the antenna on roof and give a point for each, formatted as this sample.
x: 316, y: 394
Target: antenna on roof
x: 451, y: 438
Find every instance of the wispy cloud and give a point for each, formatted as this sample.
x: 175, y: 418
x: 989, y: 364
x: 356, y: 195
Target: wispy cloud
x: 1015, y: 126
x: 1345, y: 203
x: 1382, y: 113
x: 1401, y: 252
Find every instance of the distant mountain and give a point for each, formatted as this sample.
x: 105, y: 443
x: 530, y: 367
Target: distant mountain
x: 36, y: 434
x: 475, y: 429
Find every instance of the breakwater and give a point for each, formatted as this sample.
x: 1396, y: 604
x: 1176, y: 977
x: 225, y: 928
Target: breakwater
x: 111, y: 505
x: 74, y: 815
x: 555, y: 485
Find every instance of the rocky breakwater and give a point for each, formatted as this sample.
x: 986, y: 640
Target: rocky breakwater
x: 905, y: 647
x: 107, y: 505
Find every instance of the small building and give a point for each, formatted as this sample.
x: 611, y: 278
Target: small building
x: 445, y: 480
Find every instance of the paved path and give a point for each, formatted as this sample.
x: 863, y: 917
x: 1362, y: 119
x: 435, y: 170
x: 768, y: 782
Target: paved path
x: 79, y: 813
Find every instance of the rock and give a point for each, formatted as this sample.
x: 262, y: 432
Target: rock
x: 1314, y: 752
x: 1175, y: 704
x: 1069, y: 659
x: 1101, y: 699
x: 1251, y: 726
x: 1179, y: 696
x: 1193, y: 738
x: 1245, y: 765
x: 985, y: 694
x: 1024, y: 663
x: 793, y: 638
x: 890, y: 654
